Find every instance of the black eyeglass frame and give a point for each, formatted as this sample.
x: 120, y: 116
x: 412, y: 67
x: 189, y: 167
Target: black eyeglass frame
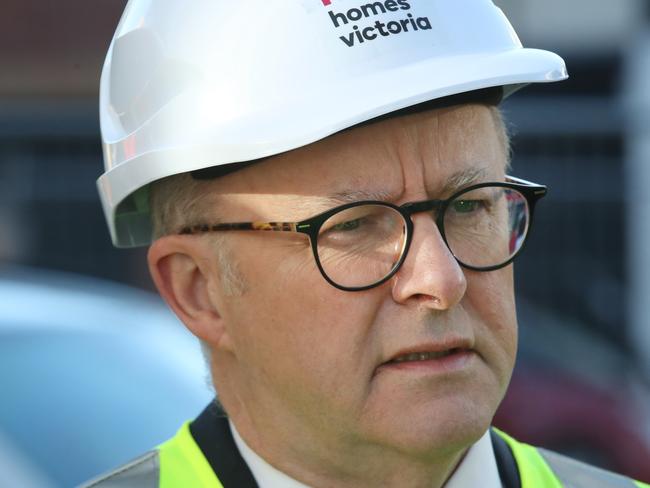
x: 532, y: 192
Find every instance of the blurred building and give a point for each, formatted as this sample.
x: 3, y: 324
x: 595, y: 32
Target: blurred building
x: 604, y: 128
x: 51, y: 54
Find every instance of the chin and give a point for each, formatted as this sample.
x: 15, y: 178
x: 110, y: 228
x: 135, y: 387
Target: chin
x: 443, y: 428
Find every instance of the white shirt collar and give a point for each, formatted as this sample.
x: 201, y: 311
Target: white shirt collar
x: 478, y: 468
x: 265, y: 474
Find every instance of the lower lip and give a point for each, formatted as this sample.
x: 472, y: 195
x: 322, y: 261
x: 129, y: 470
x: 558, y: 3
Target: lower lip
x: 454, y: 362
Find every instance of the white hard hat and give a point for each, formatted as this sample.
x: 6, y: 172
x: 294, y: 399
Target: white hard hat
x: 191, y: 85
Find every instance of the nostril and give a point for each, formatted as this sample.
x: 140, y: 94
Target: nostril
x: 427, y: 299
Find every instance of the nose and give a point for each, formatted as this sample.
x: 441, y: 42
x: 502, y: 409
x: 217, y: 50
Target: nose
x: 430, y: 274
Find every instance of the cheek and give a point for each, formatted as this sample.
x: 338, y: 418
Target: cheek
x: 292, y: 324
x: 491, y: 297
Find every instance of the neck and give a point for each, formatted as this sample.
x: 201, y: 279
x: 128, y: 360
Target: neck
x: 325, y: 451
x: 349, y: 465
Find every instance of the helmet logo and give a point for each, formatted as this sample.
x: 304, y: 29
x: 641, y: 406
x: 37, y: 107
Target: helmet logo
x: 372, y: 31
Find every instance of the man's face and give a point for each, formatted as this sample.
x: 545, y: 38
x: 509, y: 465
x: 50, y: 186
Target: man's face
x: 308, y: 362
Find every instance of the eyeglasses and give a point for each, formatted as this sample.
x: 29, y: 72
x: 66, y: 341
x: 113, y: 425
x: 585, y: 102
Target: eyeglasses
x: 361, y: 245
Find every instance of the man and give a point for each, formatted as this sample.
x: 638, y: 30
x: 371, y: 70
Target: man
x: 327, y: 204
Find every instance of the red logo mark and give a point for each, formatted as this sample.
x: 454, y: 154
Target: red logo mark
x: 326, y: 2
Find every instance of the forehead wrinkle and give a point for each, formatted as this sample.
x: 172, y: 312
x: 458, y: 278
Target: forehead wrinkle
x: 464, y: 138
x: 409, y: 149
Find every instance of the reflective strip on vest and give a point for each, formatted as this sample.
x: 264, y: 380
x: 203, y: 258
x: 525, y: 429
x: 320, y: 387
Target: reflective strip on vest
x: 178, y: 463
x: 142, y: 472
x: 575, y: 473
x: 542, y: 468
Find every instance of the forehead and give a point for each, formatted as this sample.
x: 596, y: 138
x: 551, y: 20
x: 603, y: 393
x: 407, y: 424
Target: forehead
x: 401, y: 158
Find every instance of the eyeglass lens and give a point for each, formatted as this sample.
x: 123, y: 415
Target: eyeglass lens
x: 487, y: 226
x: 483, y: 227
x: 361, y: 245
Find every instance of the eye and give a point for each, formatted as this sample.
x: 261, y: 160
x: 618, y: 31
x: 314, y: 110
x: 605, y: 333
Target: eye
x: 466, y: 206
x: 347, y: 225
x: 356, y: 219
x: 371, y: 221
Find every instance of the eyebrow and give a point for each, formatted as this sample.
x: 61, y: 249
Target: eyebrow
x: 464, y: 178
x: 349, y: 196
x: 455, y: 182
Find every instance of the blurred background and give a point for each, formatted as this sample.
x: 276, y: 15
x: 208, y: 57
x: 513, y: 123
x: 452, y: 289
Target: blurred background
x: 582, y: 384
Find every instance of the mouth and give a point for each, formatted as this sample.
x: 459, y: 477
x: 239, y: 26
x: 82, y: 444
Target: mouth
x: 426, y: 356
x: 445, y: 357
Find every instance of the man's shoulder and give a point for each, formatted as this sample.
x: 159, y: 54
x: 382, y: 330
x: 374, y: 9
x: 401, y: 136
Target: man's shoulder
x: 533, y: 467
x: 541, y: 467
x: 572, y: 472
x: 141, y: 472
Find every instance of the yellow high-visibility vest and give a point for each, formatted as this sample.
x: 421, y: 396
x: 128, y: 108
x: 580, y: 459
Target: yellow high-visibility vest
x: 180, y: 463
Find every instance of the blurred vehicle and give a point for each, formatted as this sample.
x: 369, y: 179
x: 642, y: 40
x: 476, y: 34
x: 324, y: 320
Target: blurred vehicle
x: 92, y: 374
x: 577, y: 393
x: 567, y: 415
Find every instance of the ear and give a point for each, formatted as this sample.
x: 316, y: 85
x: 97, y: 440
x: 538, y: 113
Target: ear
x: 182, y: 270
